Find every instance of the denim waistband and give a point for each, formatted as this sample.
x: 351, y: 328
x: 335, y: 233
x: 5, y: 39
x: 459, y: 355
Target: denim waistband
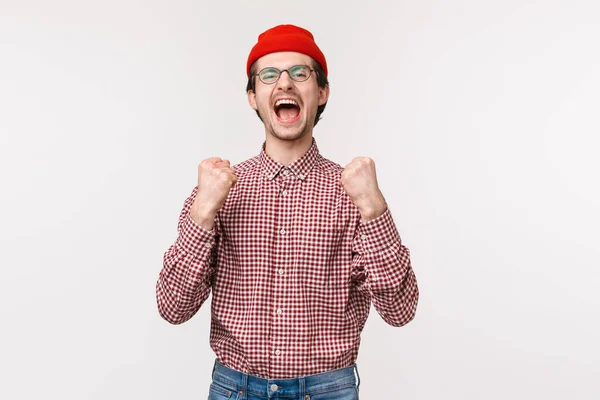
x: 292, y: 387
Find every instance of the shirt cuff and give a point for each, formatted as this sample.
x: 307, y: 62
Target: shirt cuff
x: 379, y: 233
x: 195, y: 239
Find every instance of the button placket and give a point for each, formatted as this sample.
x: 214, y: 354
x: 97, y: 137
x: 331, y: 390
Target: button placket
x: 285, y: 232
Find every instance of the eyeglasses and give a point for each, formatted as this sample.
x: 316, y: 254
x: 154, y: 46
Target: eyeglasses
x: 298, y: 73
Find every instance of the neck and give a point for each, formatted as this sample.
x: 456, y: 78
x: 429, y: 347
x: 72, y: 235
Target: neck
x: 287, y: 151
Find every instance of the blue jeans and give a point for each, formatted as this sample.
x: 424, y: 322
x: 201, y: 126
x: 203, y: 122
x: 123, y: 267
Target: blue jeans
x: 229, y: 384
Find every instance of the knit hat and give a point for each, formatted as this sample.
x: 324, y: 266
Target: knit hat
x: 286, y: 38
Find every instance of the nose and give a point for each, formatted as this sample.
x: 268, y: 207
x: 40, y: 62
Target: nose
x: 285, y: 83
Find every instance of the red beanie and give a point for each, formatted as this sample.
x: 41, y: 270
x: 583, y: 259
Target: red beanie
x: 286, y: 38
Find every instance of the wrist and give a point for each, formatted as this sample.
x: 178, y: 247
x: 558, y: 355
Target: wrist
x: 373, y: 210
x: 202, y: 217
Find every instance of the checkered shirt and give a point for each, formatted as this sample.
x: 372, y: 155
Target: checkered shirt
x: 292, y: 268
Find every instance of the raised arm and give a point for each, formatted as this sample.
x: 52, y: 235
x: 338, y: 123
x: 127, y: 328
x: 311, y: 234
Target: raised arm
x: 188, y: 265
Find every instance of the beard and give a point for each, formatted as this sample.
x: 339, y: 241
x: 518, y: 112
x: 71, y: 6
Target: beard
x: 274, y: 128
x: 284, y: 133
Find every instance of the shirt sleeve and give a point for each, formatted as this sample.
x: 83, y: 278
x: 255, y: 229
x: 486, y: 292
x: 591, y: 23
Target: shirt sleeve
x: 188, y: 265
x: 382, y: 269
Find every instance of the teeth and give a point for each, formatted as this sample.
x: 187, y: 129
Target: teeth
x: 285, y: 101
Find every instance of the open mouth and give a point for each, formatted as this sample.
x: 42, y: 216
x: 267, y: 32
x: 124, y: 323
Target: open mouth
x: 287, y: 110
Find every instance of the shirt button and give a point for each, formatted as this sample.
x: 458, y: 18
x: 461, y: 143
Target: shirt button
x: 363, y: 237
x: 279, y: 312
x: 277, y: 352
x: 282, y: 231
x: 207, y: 245
x: 284, y: 193
x: 280, y: 272
x: 286, y: 172
x: 274, y: 387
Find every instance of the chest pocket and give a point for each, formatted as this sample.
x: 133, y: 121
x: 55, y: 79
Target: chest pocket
x: 322, y: 258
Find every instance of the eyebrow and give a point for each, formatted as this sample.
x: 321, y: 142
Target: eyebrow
x: 281, y: 69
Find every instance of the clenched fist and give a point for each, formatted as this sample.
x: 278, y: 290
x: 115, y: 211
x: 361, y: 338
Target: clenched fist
x: 215, y: 179
x: 359, y: 180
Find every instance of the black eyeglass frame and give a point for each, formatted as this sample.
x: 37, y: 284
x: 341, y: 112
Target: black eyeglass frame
x: 285, y: 70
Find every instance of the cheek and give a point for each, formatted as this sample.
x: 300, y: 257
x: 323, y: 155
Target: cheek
x: 312, y: 98
x: 262, y: 100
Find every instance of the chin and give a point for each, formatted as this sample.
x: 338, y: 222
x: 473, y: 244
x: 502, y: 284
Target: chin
x: 288, y: 135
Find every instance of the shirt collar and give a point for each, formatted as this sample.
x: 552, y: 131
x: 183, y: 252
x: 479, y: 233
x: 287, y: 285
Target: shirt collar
x: 300, y: 167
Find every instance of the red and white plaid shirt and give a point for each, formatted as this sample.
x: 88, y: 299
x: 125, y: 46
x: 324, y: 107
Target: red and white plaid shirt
x: 292, y: 267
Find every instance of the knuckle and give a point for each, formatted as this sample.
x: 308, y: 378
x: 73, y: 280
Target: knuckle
x: 206, y: 164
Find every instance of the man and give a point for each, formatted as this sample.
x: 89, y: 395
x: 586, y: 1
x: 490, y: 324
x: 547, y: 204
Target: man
x: 294, y: 247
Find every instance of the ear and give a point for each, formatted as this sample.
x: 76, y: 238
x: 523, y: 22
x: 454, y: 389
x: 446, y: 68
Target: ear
x: 323, y: 95
x: 252, y: 99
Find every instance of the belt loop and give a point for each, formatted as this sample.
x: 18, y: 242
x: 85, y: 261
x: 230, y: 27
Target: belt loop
x: 244, y: 386
x: 302, y: 387
x: 357, y: 377
x: 214, y: 367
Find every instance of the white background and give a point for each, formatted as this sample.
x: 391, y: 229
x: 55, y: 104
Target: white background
x: 481, y: 116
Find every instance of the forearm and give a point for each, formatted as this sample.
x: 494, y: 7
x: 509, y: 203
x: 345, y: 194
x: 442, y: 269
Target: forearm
x: 184, y: 282
x: 392, y: 285
x: 383, y: 265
